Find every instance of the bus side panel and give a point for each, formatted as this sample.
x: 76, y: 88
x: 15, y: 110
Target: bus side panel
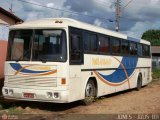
x: 102, y: 66
x: 98, y: 65
x: 144, y: 67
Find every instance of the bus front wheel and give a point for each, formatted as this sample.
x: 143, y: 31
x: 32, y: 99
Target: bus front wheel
x: 90, y: 93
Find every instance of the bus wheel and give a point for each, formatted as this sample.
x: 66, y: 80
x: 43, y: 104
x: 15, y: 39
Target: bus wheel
x: 90, y: 93
x: 139, y: 82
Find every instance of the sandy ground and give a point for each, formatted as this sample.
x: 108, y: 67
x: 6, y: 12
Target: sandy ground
x: 145, y: 101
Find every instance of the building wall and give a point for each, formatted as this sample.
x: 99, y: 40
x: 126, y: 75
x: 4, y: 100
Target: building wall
x: 3, y: 50
x: 4, y: 30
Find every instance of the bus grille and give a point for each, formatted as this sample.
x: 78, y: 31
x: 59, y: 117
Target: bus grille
x: 32, y: 81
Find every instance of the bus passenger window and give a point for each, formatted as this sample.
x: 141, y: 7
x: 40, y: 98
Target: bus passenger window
x: 125, y: 47
x: 146, y: 50
x: 115, y: 45
x: 103, y: 44
x: 140, y: 50
x: 133, y: 48
x: 90, y: 42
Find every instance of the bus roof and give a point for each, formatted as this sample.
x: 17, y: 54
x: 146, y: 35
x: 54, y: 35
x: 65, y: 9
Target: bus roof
x: 65, y: 22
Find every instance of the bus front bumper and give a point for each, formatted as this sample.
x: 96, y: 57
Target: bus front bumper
x: 36, y: 95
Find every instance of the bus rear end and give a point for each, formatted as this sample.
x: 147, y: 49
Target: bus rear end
x: 36, y: 68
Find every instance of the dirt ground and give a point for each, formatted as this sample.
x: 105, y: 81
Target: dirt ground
x: 145, y: 101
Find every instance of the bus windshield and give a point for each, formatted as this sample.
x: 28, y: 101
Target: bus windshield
x: 37, y: 45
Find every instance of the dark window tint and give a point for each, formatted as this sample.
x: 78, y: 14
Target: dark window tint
x: 115, y: 45
x: 146, y: 50
x: 75, y: 46
x: 125, y: 47
x: 139, y: 49
x: 133, y: 48
x: 103, y: 44
x: 90, y: 42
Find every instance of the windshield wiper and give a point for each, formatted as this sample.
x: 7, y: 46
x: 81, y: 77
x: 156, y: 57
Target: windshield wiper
x: 24, y: 55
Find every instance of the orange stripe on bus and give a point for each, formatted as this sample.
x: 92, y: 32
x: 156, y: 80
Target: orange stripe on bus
x: 48, y: 73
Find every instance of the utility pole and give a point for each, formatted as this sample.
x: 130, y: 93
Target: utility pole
x: 117, y: 14
x: 11, y: 8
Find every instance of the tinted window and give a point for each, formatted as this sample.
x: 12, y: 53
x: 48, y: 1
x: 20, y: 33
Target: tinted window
x: 139, y: 49
x: 90, y: 42
x: 125, y: 47
x: 103, y: 44
x: 115, y: 45
x: 133, y: 48
x: 75, y: 46
x: 146, y: 50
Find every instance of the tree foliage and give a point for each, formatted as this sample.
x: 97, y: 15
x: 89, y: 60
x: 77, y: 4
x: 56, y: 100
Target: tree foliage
x: 153, y: 36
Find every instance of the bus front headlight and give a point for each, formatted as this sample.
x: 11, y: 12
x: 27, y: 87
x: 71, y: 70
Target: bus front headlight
x: 49, y: 95
x: 56, y: 95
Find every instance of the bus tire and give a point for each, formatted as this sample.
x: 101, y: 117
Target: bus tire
x: 139, y: 82
x: 90, y: 93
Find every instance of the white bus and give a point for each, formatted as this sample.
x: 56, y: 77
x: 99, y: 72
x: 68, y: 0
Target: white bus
x: 63, y: 60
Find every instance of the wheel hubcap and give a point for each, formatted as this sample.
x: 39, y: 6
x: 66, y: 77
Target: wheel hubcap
x: 89, y: 90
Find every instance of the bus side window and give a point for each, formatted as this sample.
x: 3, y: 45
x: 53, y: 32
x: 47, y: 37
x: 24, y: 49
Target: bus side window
x: 103, y: 44
x: 146, y: 51
x: 140, y: 50
x: 133, y: 48
x: 125, y: 47
x: 115, y: 46
x: 75, y: 46
x: 90, y: 42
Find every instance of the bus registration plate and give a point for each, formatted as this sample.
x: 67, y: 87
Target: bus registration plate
x: 28, y: 95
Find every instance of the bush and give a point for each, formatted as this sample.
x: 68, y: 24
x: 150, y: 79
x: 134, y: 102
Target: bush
x: 155, y: 73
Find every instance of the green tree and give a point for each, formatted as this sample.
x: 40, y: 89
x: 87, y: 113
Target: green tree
x: 153, y: 36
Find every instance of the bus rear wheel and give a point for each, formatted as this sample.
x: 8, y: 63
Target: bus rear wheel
x: 90, y: 93
x: 139, y: 83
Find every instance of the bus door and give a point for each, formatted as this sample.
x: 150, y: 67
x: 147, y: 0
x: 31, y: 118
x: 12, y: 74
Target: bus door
x: 76, y: 60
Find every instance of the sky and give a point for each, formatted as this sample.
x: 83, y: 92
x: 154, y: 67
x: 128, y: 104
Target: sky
x: 135, y: 17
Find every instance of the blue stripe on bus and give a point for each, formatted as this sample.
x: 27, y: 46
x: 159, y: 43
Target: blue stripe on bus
x: 119, y: 75
x: 17, y: 67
